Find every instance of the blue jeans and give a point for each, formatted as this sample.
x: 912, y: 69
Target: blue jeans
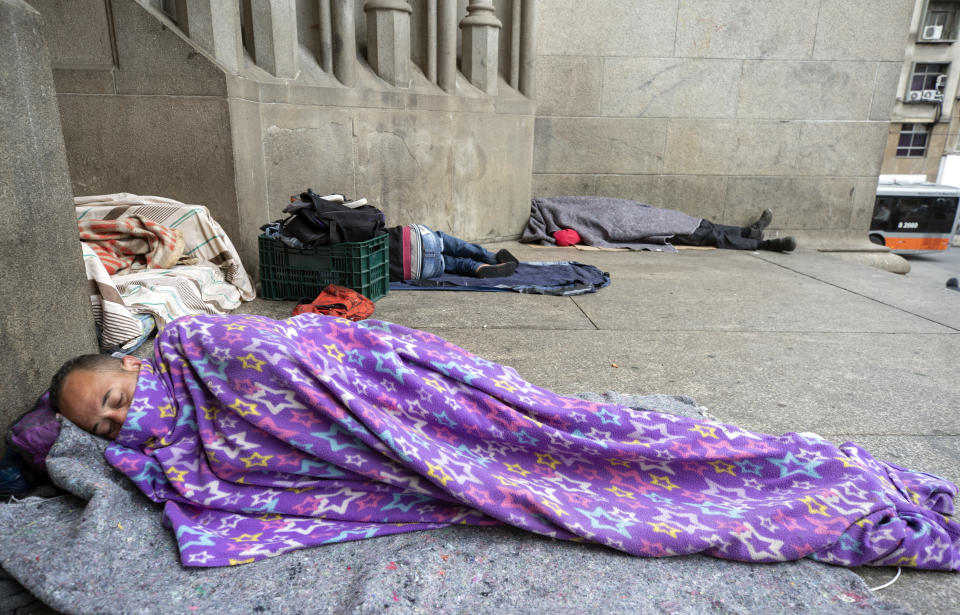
x: 444, y: 253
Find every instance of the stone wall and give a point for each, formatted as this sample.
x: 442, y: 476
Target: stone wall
x: 46, y: 315
x: 146, y: 110
x: 721, y: 107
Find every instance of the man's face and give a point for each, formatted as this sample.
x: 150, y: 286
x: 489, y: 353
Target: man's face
x: 97, y: 401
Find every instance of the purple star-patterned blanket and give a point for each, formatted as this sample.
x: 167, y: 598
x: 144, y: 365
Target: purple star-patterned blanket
x: 264, y: 436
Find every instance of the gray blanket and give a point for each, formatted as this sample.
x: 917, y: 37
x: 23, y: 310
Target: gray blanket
x: 606, y: 222
x: 103, y: 550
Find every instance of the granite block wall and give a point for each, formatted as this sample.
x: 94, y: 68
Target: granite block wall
x: 720, y: 107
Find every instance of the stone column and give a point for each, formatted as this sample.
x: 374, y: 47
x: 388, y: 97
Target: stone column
x: 528, y: 46
x: 447, y: 45
x: 479, y: 55
x: 388, y: 40
x: 325, y: 53
x: 344, y: 41
x: 215, y: 26
x: 45, y: 314
x: 515, y: 44
x: 432, y: 40
x: 275, y: 36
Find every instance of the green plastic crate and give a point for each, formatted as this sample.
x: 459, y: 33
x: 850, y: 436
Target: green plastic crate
x: 289, y: 274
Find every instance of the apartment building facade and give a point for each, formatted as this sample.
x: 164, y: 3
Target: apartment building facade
x: 925, y: 121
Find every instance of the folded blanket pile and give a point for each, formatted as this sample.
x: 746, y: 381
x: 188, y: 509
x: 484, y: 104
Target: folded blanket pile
x: 158, y: 258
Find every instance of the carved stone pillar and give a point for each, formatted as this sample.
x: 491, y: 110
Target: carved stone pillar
x: 528, y: 45
x: 215, y: 26
x: 275, y: 37
x: 447, y: 45
x: 325, y: 53
x: 479, y: 56
x: 344, y: 42
x: 388, y: 40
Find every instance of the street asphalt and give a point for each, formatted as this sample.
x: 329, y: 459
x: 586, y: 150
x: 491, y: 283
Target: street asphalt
x: 772, y: 342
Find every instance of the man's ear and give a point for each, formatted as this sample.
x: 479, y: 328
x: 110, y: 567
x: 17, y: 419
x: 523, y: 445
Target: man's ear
x: 130, y: 363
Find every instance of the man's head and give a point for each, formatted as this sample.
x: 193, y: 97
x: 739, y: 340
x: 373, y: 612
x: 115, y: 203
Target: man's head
x: 94, y: 392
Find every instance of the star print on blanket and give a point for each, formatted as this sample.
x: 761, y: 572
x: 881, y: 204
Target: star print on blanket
x: 263, y: 436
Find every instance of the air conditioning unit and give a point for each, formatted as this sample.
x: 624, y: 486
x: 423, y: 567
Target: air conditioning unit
x: 931, y: 96
x: 941, y: 81
x: 932, y: 33
x: 914, y: 96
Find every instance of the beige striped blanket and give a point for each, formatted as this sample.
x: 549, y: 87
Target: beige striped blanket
x: 218, y: 282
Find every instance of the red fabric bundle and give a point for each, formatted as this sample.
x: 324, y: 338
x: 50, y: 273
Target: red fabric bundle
x: 337, y: 301
x: 566, y: 237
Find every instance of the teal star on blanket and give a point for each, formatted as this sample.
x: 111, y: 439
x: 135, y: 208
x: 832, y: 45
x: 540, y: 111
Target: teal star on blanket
x: 374, y: 324
x: 387, y: 437
x: 849, y: 543
x: 447, y: 370
x: 323, y: 470
x: 406, y: 501
x: 579, y: 434
x: 331, y: 434
x: 133, y: 419
x: 391, y: 358
x: 608, y: 417
x: 443, y: 418
x: 807, y: 469
x: 483, y: 461
x: 617, y: 525
x: 150, y: 473
x: 525, y: 438
x: 748, y: 467
x: 709, y: 508
x: 346, y: 535
x: 205, y: 368
x: 203, y: 537
x: 186, y: 417
x: 659, y: 499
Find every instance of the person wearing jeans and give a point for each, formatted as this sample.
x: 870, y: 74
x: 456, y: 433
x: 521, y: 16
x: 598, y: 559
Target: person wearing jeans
x: 418, y: 252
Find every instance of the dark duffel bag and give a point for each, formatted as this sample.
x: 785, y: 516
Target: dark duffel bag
x: 320, y: 222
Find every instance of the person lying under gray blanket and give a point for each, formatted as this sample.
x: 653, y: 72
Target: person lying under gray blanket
x: 262, y: 436
x: 606, y: 222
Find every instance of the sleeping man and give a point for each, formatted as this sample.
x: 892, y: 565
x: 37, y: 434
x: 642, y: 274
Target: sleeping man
x: 262, y: 436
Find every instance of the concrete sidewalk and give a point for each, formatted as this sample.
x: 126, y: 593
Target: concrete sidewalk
x: 771, y: 342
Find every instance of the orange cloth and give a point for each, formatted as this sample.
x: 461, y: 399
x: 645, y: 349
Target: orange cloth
x: 132, y: 243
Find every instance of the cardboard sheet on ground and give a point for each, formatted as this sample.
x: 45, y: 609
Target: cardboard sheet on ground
x: 103, y: 549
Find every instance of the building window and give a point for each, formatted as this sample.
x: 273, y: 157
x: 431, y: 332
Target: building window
x: 913, y: 141
x: 940, y: 22
x: 927, y: 81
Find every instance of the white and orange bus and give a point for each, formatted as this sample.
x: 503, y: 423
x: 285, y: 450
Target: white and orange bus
x: 911, y: 218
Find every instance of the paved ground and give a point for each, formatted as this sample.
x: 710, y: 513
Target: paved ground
x: 935, y: 268
x: 772, y: 342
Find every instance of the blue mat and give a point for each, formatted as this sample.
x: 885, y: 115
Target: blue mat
x: 542, y: 278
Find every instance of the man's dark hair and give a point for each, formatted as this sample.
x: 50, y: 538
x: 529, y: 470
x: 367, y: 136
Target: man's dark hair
x: 88, y: 362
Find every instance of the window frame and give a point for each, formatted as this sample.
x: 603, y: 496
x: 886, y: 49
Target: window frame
x: 949, y: 8
x: 929, y: 75
x: 909, y: 150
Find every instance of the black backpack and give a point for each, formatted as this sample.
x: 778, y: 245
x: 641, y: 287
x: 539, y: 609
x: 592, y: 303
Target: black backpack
x: 319, y: 222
